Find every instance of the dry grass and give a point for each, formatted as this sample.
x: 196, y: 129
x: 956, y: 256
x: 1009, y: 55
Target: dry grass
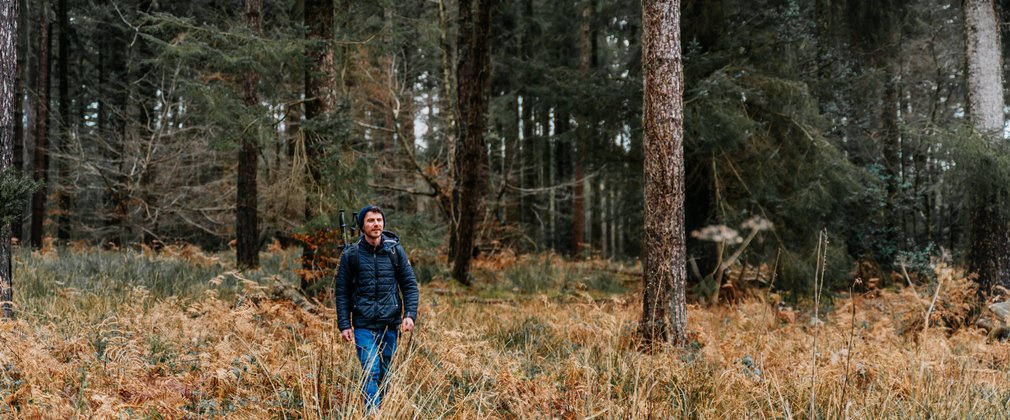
x: 140, y: 354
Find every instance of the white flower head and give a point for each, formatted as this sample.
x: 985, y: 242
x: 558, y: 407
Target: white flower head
x: 757, y: 223
x: 718, y: 233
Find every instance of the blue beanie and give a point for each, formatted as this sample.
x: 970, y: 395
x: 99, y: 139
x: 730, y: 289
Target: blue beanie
x: 365, y: 210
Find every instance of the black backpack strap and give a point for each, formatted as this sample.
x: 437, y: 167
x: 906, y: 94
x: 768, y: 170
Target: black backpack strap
x: 395, y: 259
x: 352, y: 260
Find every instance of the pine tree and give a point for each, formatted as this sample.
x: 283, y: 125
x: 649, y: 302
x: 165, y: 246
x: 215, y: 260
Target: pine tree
x: 473, y: 75
x: 664, y: 313
x: 246, y: 216
x: 8, y: 80
x: 988, y: 254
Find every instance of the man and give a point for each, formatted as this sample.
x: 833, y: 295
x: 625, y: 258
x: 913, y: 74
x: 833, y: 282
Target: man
x: 376, y: 292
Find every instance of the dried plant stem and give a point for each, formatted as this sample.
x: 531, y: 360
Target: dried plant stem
x: 908, y: 280
x: 932, y: 304
x: 266, y: 372
x: 717, y: 275
x: 822, y: 253
x: 848, y: 349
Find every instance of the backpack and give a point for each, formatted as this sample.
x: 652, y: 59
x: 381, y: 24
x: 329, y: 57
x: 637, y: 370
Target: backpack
x: 352, y: 258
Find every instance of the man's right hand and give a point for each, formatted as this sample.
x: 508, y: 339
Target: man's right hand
x: 347, y: 335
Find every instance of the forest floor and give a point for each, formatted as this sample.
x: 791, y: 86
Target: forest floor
x: 128, y: 334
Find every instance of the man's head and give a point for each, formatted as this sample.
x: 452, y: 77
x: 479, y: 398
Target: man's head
x: 371, y: 221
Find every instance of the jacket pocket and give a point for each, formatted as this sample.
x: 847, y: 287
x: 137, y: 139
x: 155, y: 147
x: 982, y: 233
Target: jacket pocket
x: 360, y: 306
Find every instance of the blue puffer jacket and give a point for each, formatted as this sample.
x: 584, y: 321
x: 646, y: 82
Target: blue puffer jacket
x: 374, y: 293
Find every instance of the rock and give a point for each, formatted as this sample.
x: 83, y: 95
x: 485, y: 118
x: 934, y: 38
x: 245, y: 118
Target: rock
x: 1001, y: 309
x: 994, y: 328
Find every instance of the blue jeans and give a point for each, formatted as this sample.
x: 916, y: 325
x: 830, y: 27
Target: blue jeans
x: 375, y: 352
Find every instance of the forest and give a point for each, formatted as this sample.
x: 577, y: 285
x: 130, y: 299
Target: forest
x: 613, y: 208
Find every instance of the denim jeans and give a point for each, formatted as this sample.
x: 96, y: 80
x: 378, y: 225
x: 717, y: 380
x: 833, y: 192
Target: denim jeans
x: 375, y: 352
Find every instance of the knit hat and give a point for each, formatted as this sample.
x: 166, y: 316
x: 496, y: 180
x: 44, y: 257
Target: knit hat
x: 365, y: 210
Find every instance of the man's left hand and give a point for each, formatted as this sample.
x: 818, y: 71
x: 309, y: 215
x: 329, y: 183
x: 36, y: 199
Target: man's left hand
x: 407, y: 325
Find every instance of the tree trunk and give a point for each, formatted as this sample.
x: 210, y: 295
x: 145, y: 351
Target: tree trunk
x: 41, y: 155
x: 988, y: 254
x: 984, y: 63
x: 562, y: 153
x: 320, y: 81
x: 8, y: 81
x: 112, y: 99
x: 246, y: 220
x: 891, y: 138
x: 473, y: 75
x: 511, y: 179
x: 19, y: 128
x: 292, y: 113
x: 664, y: 313
x: 63, y: 221
x: 449, y: 112
x: 584, y: 137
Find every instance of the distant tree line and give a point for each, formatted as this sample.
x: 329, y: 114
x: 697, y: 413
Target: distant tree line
x: 517, y: 124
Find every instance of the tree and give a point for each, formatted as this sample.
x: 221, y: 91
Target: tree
x: 664, y: 313
x: 320, y: 84
x: 63, y: 221
x: 41, y: 155
x: 246, y: 220
x: 320, y: 87
x: 8, y: 81
x: 14, y: 191
x: 990, y: 234
x: 473, y: 78
x: 19, y: 128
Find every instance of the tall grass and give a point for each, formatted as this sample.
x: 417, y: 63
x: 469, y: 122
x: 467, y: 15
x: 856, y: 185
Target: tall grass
x: 104, y: 335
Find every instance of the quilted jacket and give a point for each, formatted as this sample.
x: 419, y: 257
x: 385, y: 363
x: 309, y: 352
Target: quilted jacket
x: 372, y: 292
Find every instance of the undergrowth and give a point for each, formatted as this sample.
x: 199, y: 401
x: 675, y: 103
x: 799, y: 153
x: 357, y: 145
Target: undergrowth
x: 104, y: 335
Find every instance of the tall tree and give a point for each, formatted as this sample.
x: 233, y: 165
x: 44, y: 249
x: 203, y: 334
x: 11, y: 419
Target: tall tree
x: 41, y: 154
x: 582, y: 147
x: 8, y: 81
x: 19, y: 128
x: 320, y: 84
x: 473, y: 78
x: 63, y: 222
x: 988, y: 254
x: 246, y: 220
x: 664, y: 313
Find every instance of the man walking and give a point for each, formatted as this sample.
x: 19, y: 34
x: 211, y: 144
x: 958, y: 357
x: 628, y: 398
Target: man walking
x: 376, y: 292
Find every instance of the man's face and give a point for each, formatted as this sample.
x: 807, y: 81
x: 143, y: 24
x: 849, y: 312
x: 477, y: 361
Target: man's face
x: 373, y: 224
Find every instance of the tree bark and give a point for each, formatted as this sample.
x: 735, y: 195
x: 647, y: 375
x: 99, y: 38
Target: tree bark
x: 988, y: 254
x: 584, y: 137
x: 112, y: 71
x: 17, y: 152
x: 8, y: 81
x: 320, y: 81
x: 983, y: 66
x: 41, y: 154
x: 560, y: 171
x: 473, y: 75
x: 449, y: 112
x: 63, y: 221
x: 246, y: 220
x: 891, y: 147
x: 664, y: 313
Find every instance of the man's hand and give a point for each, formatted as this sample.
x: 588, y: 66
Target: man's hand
x: 347, y: 335
x: 407, y: 325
